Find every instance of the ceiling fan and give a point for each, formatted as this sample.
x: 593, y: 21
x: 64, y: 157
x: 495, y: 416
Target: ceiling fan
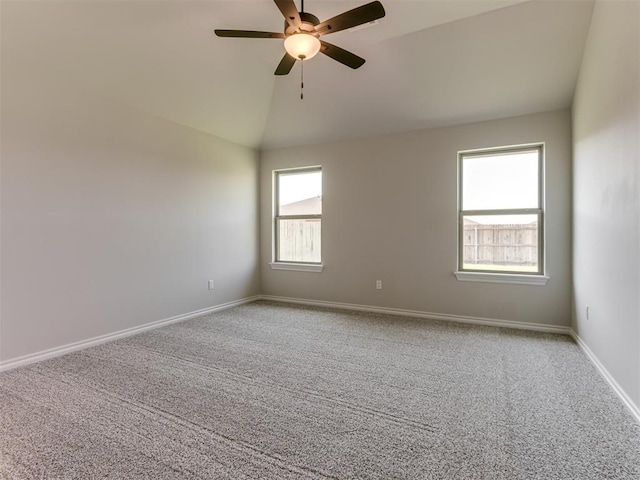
x: 302, y: 32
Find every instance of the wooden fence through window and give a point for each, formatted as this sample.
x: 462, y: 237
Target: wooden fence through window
x: 299, y: 240
x: 500, y: 244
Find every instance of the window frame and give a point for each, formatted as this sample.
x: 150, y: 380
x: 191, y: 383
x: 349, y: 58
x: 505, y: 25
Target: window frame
x: 504, y: 276
x: 278, y: 264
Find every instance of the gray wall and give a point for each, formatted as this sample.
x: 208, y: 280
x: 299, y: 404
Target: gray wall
x: 390, y: 214
x: 112, y: 218
x: 606, y: 214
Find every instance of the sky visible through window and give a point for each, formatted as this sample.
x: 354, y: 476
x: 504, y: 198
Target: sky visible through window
x: 504, y: 181
x: 299, y: 186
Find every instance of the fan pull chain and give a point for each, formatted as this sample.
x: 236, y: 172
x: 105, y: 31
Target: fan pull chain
x: 301, y: 78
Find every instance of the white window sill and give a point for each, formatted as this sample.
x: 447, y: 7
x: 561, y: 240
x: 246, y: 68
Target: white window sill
x: 297, y: 267
x: 513, y: 278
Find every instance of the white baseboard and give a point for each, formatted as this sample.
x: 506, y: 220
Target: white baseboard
x: 626, y: 400
x: 72, y: 347
x: 537, y: 327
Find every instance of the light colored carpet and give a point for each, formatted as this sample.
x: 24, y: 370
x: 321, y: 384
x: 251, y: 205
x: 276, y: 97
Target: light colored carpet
x: 280, y: 392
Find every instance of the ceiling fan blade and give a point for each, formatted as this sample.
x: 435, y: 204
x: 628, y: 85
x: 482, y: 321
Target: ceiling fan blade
x: 290, y: 12
x: 248, y: 34
x: 364, y: 14
x: 341, y: 55
x: 285, y: 65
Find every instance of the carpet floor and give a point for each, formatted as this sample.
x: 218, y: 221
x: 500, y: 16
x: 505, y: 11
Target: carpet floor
x: 271, y: 391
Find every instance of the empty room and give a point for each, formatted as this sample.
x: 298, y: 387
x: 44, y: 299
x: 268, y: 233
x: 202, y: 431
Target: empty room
x: 267, y: 239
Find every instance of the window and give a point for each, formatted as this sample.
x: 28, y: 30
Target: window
x: 501, y: 211
x: 298, y: 216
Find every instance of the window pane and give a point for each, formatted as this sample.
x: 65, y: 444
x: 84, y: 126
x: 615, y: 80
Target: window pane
x: 500, y: 243
x: 501, y: 181
x: 300, y: 193
x: 299, y: 240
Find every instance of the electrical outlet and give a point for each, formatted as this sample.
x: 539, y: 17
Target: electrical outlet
x: 587, y: 311
x: 378, y: 284
x: 210, y: 284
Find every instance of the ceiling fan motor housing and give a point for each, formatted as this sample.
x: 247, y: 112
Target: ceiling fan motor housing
x: 308, y: 23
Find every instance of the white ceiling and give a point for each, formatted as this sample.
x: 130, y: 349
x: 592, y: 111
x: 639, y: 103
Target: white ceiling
x: 429, y: 63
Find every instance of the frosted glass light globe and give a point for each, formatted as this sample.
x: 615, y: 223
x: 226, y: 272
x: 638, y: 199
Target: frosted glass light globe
x: 302, y: 45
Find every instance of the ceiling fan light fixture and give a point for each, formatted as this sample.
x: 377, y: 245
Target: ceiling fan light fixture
x: 302, y: 45
x: 302, y: 31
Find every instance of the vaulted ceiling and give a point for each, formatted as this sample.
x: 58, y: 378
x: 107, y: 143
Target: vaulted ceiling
x: 429, y: 63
